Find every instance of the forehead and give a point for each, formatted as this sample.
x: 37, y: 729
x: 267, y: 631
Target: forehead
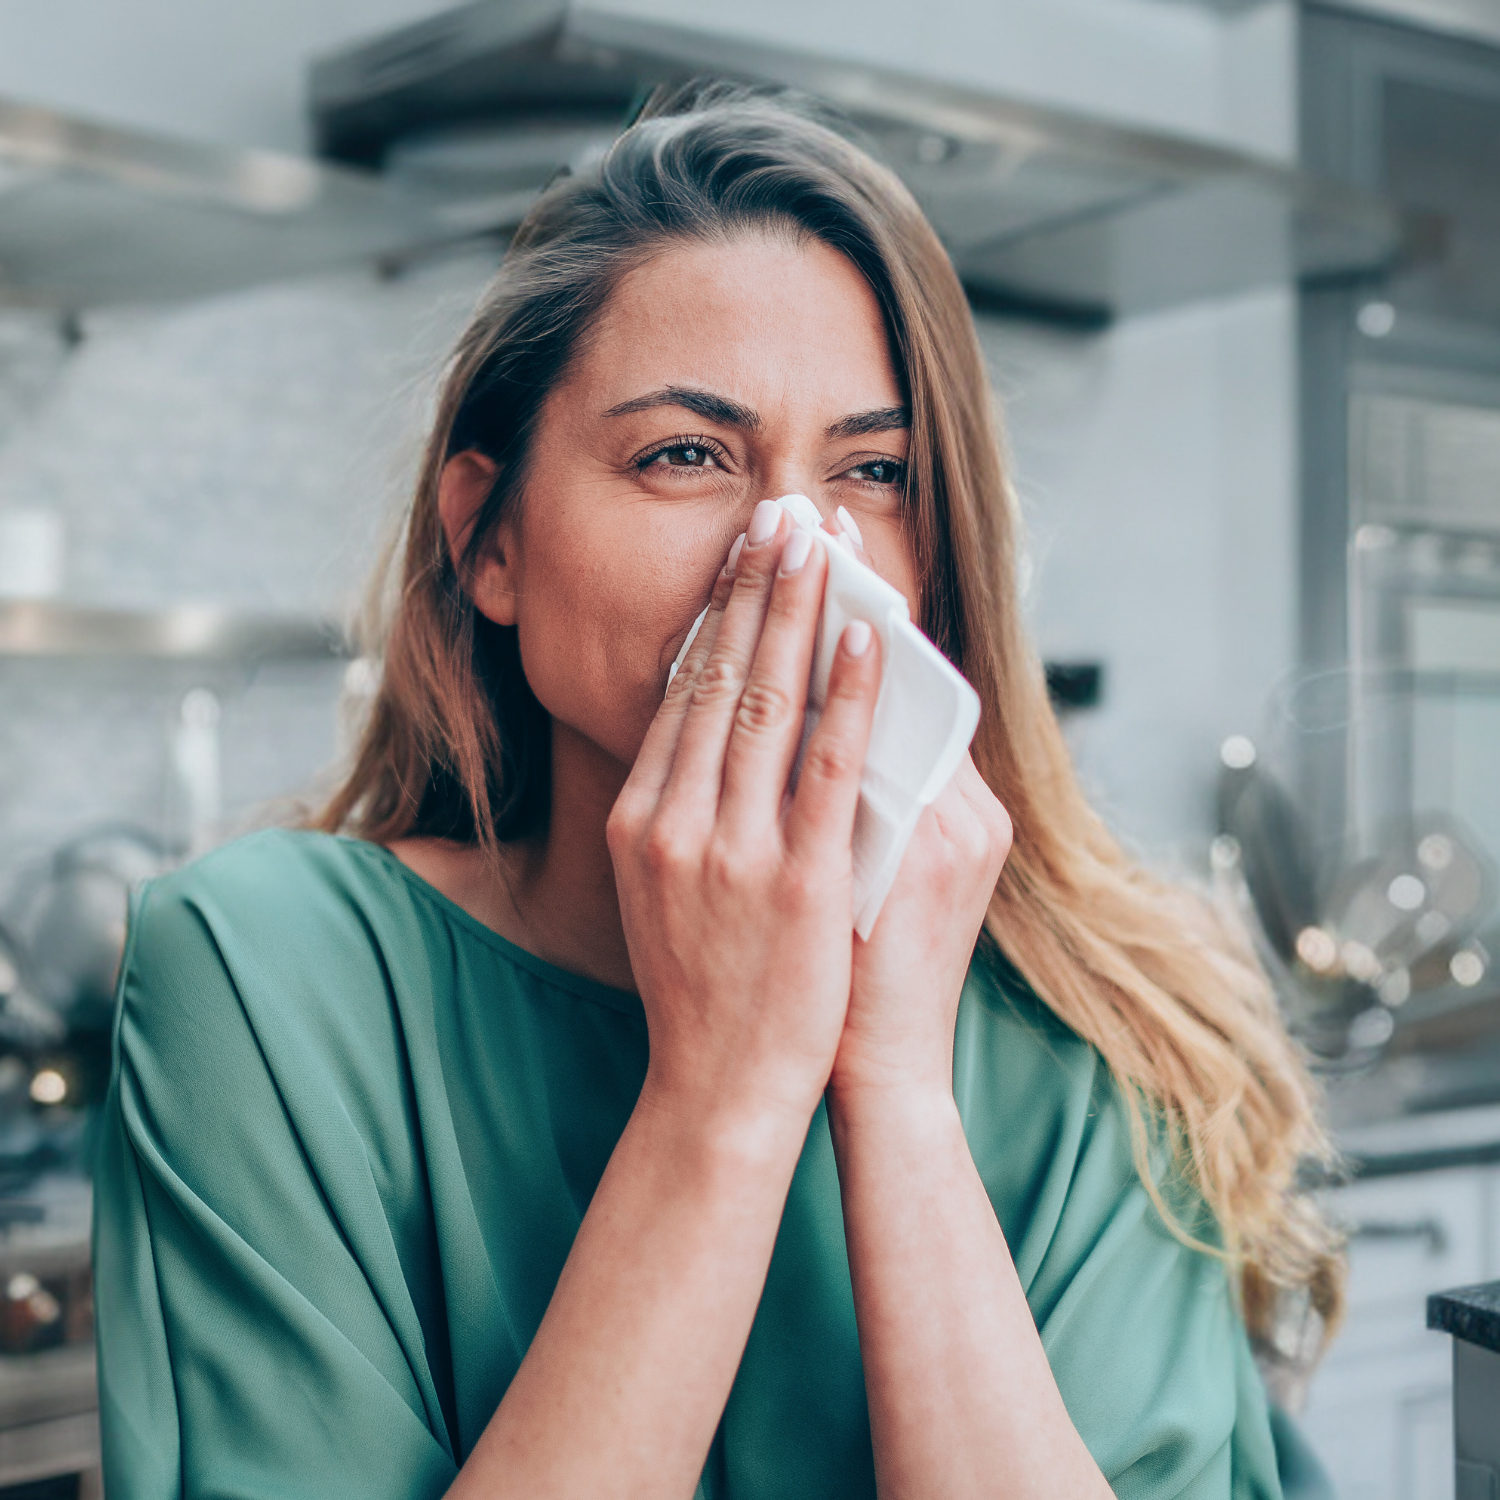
x: 762, y: 318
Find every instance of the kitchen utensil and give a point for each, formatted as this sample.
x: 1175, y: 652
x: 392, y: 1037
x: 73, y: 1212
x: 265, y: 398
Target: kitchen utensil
x: 77, y: 919
x: 1255, y: 810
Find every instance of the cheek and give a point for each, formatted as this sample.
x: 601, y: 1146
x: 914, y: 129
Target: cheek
x: 889, y: 554
x: 603, y: 610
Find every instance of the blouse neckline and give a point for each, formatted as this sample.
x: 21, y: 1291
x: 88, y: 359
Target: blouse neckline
x: 465, y: 921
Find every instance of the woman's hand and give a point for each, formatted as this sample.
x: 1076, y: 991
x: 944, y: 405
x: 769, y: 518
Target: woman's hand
x: 962, y: 1399
x: 737, y: 899
x: 907, y: 978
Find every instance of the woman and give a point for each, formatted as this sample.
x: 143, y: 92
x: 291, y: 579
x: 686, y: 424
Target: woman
x: 551, y: 1134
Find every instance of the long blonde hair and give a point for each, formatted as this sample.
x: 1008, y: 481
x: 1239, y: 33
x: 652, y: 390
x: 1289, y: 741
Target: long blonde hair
x: 457, y: 746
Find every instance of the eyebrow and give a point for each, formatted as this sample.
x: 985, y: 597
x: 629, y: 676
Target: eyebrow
x: 701, y: 403
x: 861, y: 424
x: 730, y: 413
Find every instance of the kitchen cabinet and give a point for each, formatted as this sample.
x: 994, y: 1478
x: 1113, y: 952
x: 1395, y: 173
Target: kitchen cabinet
x: 1379, y: 1407
x: 49, y: 1425
x: 1472, y: 1316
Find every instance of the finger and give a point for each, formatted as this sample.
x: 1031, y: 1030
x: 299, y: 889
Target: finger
x: 822, y: 811
x: 654, y: 760
x: 767, y: 726
x: 697, y: 772
x: 849, y: 526
x: 845, y: 530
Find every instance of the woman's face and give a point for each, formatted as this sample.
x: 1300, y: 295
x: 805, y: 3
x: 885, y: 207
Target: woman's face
x: 718, y: 376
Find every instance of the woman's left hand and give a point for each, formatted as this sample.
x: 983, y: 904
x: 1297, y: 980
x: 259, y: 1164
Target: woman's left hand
x: 908, y: 977
x: 961, y: 1396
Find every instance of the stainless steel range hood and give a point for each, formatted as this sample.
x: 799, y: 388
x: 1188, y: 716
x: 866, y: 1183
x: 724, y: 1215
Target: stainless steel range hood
x: 1227, y: 7
x: 92, y: 214
x: 1043, y: 211
x: 1479, y: 19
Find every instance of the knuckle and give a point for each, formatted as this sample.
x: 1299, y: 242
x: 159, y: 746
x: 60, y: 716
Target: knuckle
x: 976, y: 839
x: 664, y: 848
x: 830, y: 760
x: 818, y: 878
x: 764, y: 708
x: 622, y: 826
x: 720, y: 678
x: 682, y: 683
x: 971, y: 858
x: 728, y: 866
x: 800, y: 889
x: 1002, y: 831
x: 720, y: 867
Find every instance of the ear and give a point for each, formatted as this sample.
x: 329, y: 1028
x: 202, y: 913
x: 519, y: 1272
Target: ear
x: 491, y: 579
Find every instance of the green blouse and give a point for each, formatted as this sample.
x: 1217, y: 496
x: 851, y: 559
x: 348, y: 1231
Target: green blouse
x: 352, y: 1133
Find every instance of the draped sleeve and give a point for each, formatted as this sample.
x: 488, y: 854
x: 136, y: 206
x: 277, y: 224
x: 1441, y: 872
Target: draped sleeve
x: 1142, y: 1331
x: 255, y: 1336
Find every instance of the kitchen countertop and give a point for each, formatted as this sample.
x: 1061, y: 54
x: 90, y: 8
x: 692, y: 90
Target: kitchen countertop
x: 1470, y: 1313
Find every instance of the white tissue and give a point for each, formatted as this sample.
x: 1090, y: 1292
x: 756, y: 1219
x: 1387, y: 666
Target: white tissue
x: 925, y: 716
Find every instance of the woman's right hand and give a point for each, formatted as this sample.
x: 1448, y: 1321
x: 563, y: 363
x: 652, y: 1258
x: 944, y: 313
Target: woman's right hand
x: 737, y: 899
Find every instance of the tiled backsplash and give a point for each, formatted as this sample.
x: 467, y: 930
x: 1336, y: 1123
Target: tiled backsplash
x: 248, y: 451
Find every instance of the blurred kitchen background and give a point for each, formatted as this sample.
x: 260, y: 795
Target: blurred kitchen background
x: 1236, y: 266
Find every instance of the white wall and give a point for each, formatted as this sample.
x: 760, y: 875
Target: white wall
x: 1156, y: 461
x: 1156, y: 470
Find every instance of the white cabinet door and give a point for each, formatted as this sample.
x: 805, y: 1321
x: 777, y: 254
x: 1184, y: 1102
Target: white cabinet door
x: 1379, y: 1409
x: 1410, y: 1236
x: 1383, y: 1426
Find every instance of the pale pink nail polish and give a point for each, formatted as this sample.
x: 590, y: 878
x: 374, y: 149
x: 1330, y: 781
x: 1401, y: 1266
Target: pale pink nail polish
x: 763, y: 524
x: 847, y: 522
x: 734, y: 555
x: 795, y: 553
x: 857, y: 637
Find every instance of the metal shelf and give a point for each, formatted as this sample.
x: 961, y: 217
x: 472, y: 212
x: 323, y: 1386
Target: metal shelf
x: 95, y: 213
x: 1226, y: 7
x: 188, y: 632
x: 1464, y: 18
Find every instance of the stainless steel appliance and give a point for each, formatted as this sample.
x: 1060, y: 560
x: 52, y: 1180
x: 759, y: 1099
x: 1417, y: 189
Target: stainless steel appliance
x: 1044, y: 211
x: 1400, y: 588
x: 1401, y: 449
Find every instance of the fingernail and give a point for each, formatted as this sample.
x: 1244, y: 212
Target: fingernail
x: 856, y: 637
x: 847, y: 522
x: 763, y: 524
x: 847, y: 543
x: 734, y: 555
x: 794, y: 554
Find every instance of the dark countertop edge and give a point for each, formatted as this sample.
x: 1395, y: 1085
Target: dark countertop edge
x: 1470, y: 1313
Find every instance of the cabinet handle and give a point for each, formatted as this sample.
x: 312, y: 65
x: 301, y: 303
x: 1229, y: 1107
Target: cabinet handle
x: 1428, y: 1230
